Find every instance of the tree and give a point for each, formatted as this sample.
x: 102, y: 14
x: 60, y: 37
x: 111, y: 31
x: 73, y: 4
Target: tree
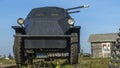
x: 10, y: 56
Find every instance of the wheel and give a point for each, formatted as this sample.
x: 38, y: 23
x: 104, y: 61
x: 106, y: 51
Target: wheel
x: 18, y: 52
x: 74, y: 49
x: 29, y: 60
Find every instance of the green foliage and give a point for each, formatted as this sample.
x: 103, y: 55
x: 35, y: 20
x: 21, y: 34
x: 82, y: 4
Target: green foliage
x: 84, y: 62
x: 10, y: 56
x: 67, y: 66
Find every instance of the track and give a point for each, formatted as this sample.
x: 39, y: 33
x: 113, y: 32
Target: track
x: 115, y: 54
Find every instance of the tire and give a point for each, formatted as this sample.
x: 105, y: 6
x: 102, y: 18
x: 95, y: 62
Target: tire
x: 18, y: 52
x: 74, y: 49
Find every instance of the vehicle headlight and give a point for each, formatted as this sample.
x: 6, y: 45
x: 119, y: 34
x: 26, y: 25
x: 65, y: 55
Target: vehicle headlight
x: 20, y: 21
x: 71, y: 21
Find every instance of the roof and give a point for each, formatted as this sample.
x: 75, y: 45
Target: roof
x: 110, y: 37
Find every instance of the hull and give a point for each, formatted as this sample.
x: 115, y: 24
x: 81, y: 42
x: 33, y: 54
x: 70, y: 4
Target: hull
x: 45, y: 43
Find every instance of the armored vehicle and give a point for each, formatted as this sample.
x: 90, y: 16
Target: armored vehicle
x: 47, y: 33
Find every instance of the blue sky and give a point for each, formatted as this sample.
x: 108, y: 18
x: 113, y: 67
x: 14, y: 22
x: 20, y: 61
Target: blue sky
x: 103, y: 16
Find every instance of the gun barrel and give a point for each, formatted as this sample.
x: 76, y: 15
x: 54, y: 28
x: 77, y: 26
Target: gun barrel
x: 84, y: 6
x: 73, y: 12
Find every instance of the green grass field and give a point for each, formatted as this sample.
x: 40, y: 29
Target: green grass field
x: 94, y: 62
x: 84, y: 62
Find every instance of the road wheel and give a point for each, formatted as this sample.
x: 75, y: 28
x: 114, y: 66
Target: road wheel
x: 74, y: 49
x: 29, y: 60
x: 18, y: 51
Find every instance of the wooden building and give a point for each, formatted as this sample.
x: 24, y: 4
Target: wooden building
x: 101, y: 44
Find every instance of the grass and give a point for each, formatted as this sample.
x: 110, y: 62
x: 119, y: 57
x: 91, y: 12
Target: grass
x: 6, y: 61
x: 94, y: 62
x: 84, y: 62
